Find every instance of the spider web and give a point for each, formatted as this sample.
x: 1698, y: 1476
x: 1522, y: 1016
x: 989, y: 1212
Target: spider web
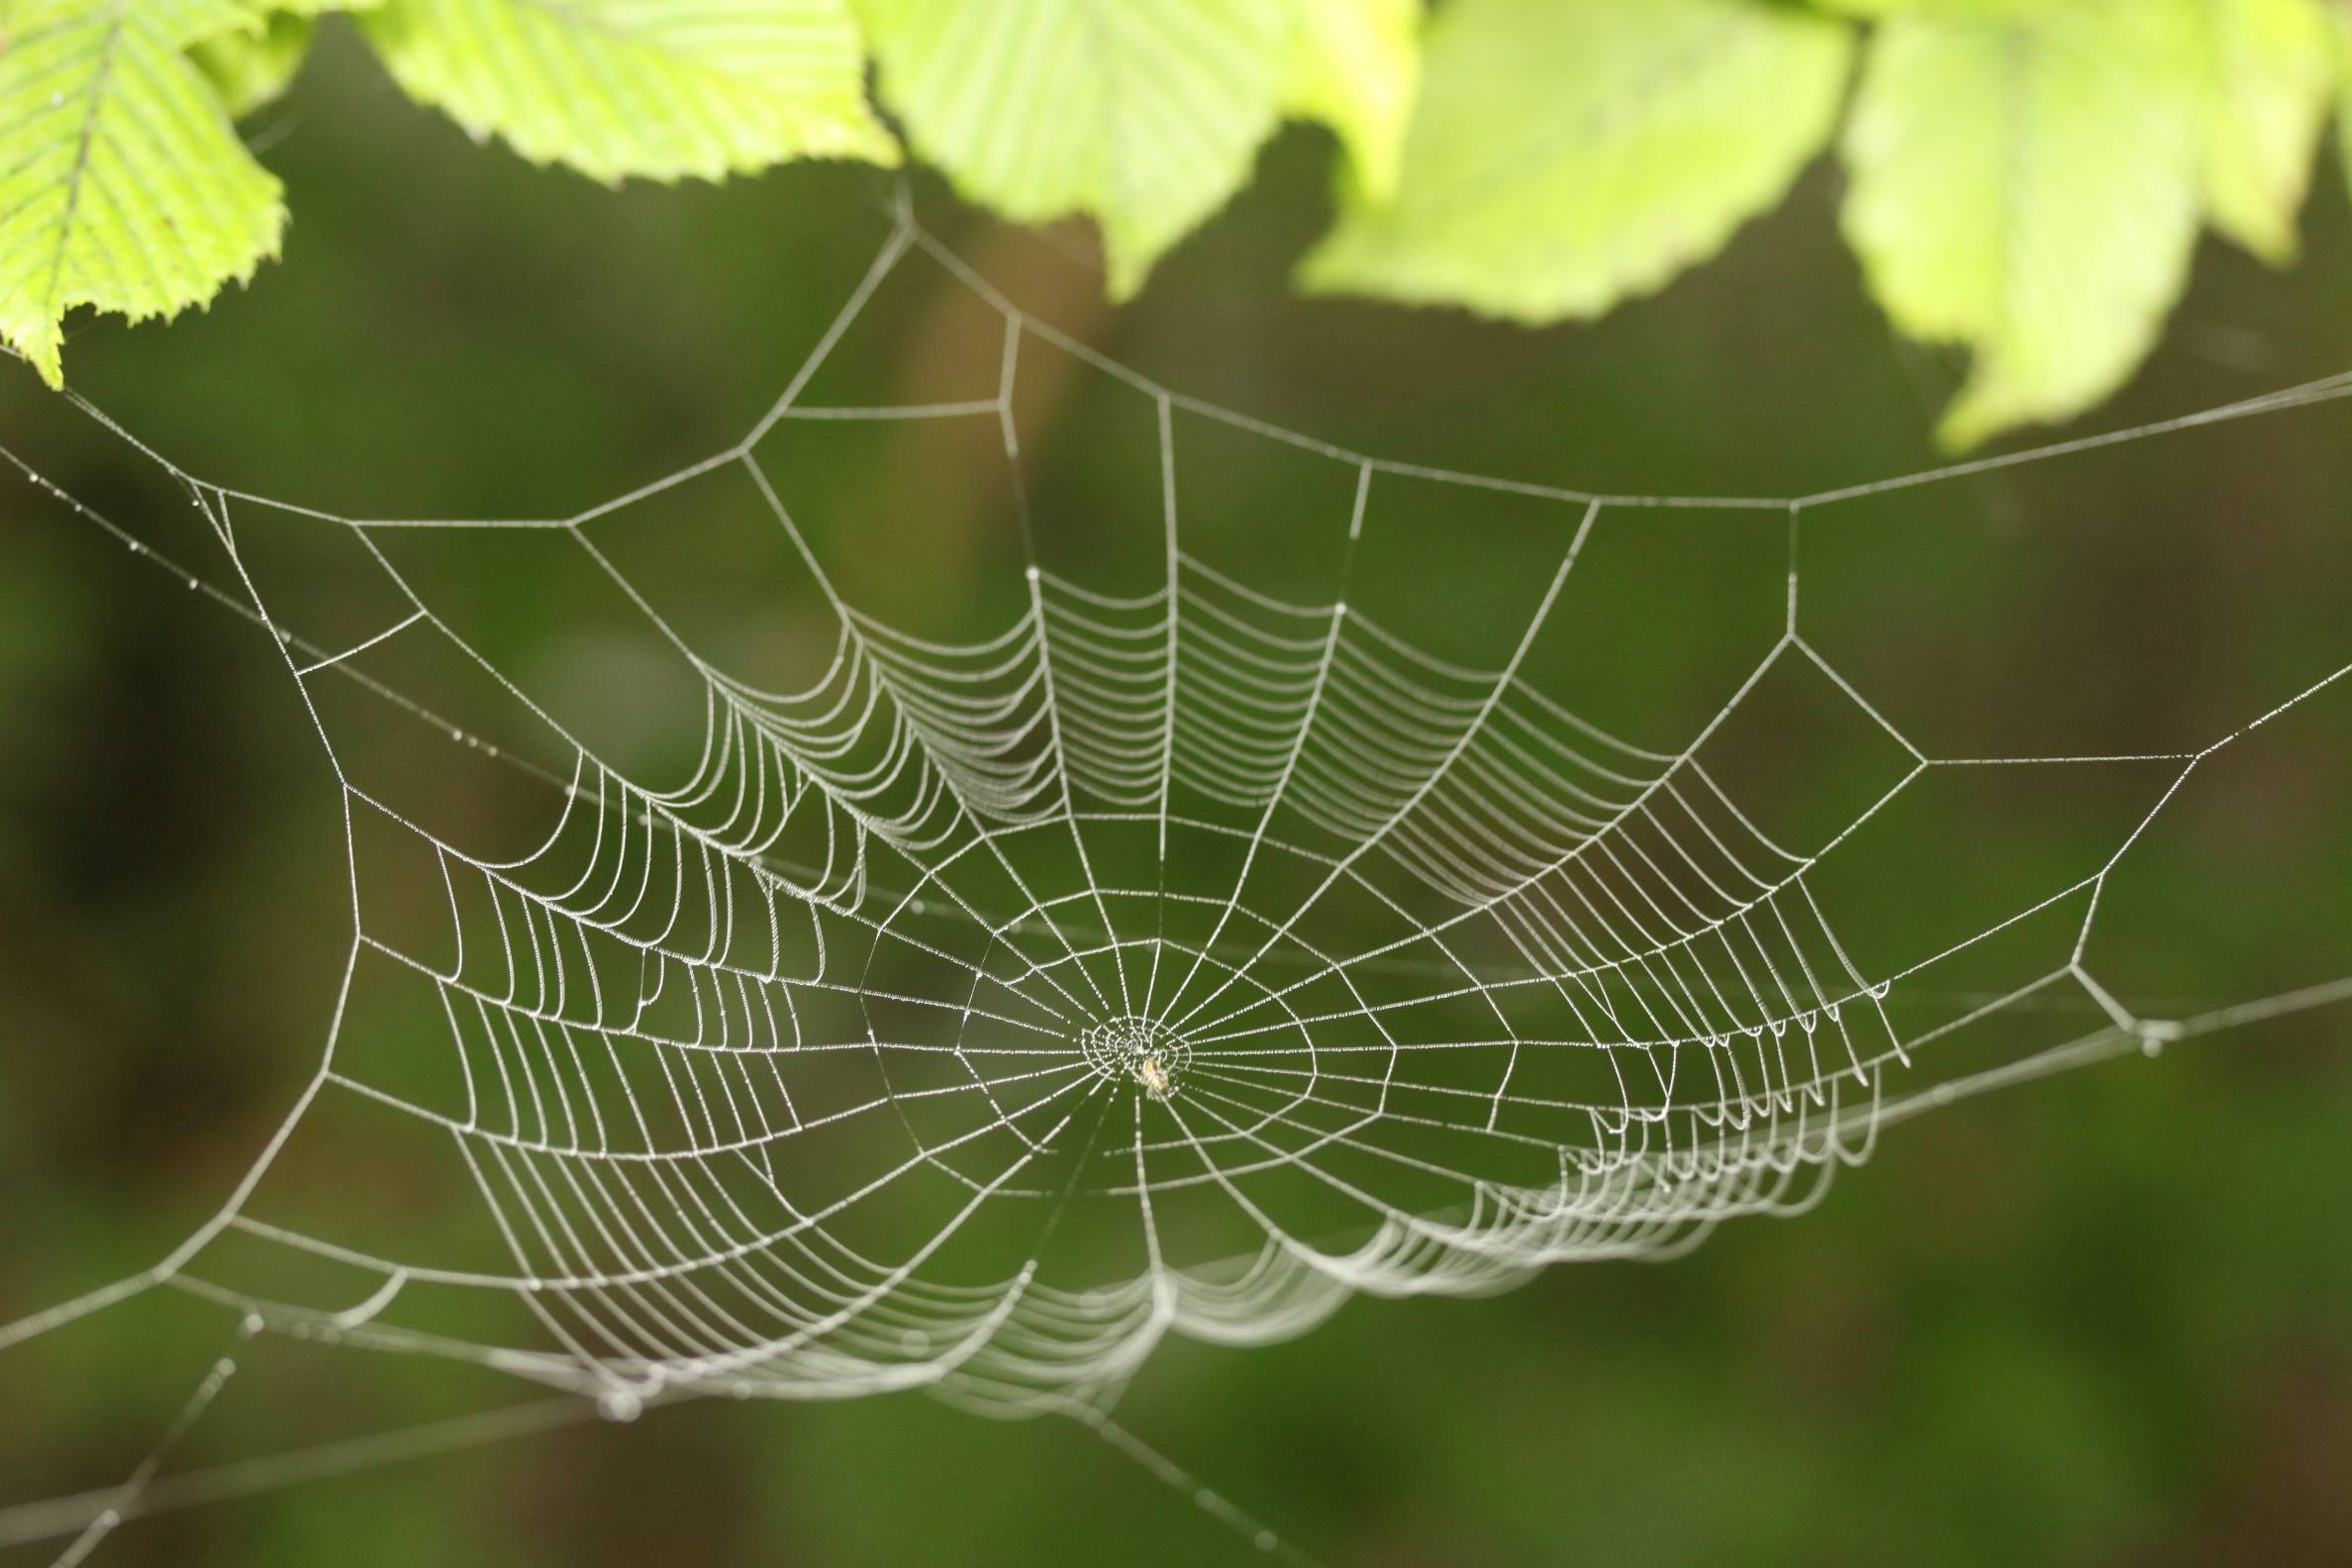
x: 870, y: 1008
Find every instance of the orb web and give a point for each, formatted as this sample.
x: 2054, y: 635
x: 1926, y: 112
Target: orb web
x: 971, y: 1013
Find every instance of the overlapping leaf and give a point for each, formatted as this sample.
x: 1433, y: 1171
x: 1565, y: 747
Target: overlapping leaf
x: 251, y: 66
x: 2343, y: 18
x: 655, y: 88
x: 122, y: 184
x: 1143, y: 115
x: 2263, y: 87
x: 1567, y: 153
x: 1354, y: 66
x: 2026, y: 183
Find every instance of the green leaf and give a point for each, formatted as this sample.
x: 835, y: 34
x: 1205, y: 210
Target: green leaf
x: 1143, y: 114
x: 251, y: 69
x: 2027, y: 186
x: 254, y: 64
x: 185, y: 21
x: 122, y: 183
x: 2266, y: 72
x: 654, y: 89
x: 1354, y: 66
x: 1567, y: 153
x: 2343, y: 54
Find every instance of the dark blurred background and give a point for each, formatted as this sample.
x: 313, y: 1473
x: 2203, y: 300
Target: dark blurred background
x: 2104, y: 1318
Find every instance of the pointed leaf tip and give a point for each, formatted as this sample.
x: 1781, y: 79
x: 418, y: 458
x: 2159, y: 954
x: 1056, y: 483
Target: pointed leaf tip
x: 123, y: 185
x: 2024, y: 184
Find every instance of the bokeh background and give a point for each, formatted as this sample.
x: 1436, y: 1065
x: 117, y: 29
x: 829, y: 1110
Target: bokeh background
x: 2104, y: 1319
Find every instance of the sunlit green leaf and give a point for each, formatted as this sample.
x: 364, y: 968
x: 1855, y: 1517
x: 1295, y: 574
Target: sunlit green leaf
x: 183, y: 20
x: 616, y: 88
x: 2026, y: 185
x: 253, y: 65
x: 1143, y: 115
x: 2266, y: 72
x: 1353, y: 67
x: 122, y: 183
x: 1566, y: 154
x: 251, y: 68
x: 2343, y: 18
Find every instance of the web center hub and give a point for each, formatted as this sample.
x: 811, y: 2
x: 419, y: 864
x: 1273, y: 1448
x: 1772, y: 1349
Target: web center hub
x: 1138, y: 1050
